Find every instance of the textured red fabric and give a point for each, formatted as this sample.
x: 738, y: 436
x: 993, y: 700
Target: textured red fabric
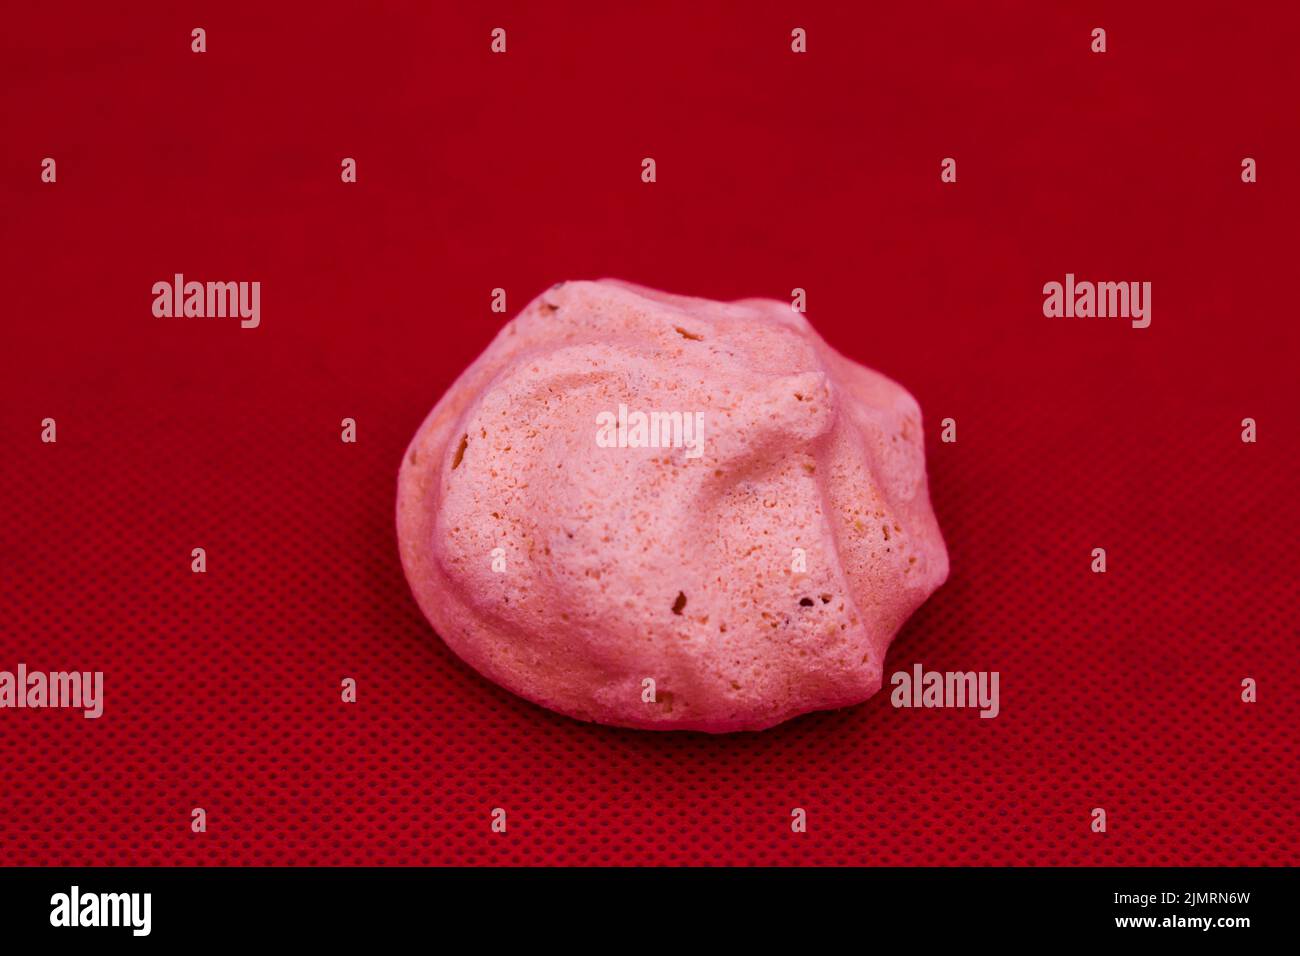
x: 774, y: 171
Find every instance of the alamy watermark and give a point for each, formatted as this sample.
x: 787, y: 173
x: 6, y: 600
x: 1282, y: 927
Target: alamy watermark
x: 922, y: 688
x: 75, y: 908
x: 208, y: 300
x: 624, y: 429
x: 1102, y: 300
x: 80, y: 690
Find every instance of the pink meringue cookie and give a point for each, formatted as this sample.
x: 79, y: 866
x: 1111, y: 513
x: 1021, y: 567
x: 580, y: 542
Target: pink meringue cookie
x: 724, y: 570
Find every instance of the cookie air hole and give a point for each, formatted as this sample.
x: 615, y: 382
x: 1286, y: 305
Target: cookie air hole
x: 679, y: 603
x: 688, y: 335
x: 460, y: 452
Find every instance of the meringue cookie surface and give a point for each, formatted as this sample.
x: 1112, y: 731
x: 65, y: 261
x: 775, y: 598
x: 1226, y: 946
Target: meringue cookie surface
x: 663, y: 512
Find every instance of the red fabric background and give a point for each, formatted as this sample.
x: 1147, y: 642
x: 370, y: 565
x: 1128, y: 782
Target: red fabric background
x: 775, y: 170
